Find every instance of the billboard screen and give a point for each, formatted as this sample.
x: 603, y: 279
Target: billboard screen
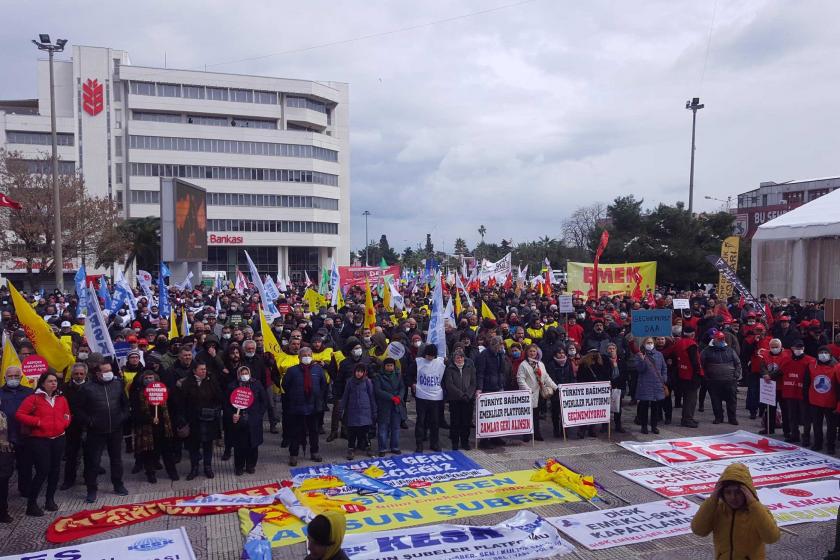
x: 190, y: 222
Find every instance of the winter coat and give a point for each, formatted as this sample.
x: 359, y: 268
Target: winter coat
x: 248, y: 432
x: 560, y: 374
x: 358, y: 403
x: 103, y: 407
x: 738, y: 534
x: 386, y: 386
x: 529, y: 378
x: 652, y: 376
x: 201, y: 402
x: 295, y: 400
x: 720, y: 363
x: 459, y: 384
x: 345, y: 372
x: 10, y: 401
x: 43, y: 419
x: 492, y: 372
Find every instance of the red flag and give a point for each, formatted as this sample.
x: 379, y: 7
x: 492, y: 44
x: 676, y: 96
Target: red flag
x: 8, y: 202
x: 651, y: 300
x: 769, y: 312
x: 547, y: 283
x: 605, y: 237
x: 508, y: 282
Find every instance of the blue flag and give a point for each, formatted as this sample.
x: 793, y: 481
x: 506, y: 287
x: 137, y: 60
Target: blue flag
x: 164, y: 270
x: 437, y: 334
x: 81, y: 291
x: 164, y: 308
x: 104, y: 293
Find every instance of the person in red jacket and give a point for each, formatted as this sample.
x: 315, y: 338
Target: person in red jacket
x: 821, y: 387
x: 793, y: 381
x: 47, y: 415
x: 771, y: 370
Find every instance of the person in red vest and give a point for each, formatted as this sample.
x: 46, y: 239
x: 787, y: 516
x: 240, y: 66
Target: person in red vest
x: 793, y: 381
x: 573, y: 330
x: 821, y: 388
x: 689, y: 371
x: 771, y: 370
x: 759, y: 342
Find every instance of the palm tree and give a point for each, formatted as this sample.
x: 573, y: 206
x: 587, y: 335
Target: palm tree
x: 134, y: 238
x: 481, y: 231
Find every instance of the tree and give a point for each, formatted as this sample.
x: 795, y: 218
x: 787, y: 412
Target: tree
x: 132, y: 239
x: 461, y: 247
x: 578, y: 229
x: 29, y: 232
x: 385, y: 251
x: 481, y: 231
x: 430, y: 248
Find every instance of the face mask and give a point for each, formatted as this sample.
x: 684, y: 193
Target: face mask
x: 798, y: 352
x: 366, y: 339
x: 13, y: 383
x: 572, y: 352
x: 357, y: 352
x: 561, y: 361
x: 824, y: 357
x: 79, y: 381
x: 226, y: 336
x: 147, y: 382
x: 516, y: 355
x: 418, y: 343
x: 649, y: 346
x: 250, y: 354
x: 775, y: 351
x: 306, y: 360
x: 83, y: 355
x: 108, y: 376
x: 244, y: 378
x: 720, y: 343
x: 677, y: 331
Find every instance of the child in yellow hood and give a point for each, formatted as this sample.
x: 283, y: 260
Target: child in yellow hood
x: 740, y: 524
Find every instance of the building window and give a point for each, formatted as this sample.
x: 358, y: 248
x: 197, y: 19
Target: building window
x: 155, y: 117
x: 117, y: 118
x: 145, y: 197
x: 38, y: 138
x: 217, y: 94
x: 271, y: 200
x: 266, y: 97
x: 169, y: 90
x: 232, y: 146
x: 816, y: 193
x: 142, y: 88
x: 291, y: 226
x: 232, y: 173
x: 118, y: 167
x: 242, y: 95
x: 306, y: 103
x: 118, y: 146
x: 117, y: 90
x: 44, y: 167
x: 303, y: 259
x: 194, y: 92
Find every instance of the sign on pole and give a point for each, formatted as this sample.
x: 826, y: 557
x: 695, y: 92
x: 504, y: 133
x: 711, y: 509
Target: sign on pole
x: 564, y: 304
x: 33, y: 366
x: 681, y: 303
x: 506, y: 413
x: 241, y: 398
x: 767, y: 392
x: 582, y: 404
x: 651, y: 322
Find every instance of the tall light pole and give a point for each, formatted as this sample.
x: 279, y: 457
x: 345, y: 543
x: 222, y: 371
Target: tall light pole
x: 728, y: 201
x: 694, y: 105
x: 43, y: 43
x: 367, y: 242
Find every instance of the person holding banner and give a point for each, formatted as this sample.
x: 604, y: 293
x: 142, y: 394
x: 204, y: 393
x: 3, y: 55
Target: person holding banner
x: 154, y: 434
x: 532, y: 376
x: 650, y: 386
x: 771, y: 371
x: 246, y: 423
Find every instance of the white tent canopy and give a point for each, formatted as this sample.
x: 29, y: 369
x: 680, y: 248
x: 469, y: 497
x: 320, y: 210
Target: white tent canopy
x: 818, y: 218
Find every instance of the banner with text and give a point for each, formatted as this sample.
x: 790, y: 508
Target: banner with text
x: 706, y: 448
x: 808, y: 502
x: 585, y: 403
x: 374, y: 275
x: 172, y: 543
x: 729, y: 253
x: 506, y: 413
x: 525, y: 536
x: 607, y: 528
x: 766, y: 470
x: 633, y: 279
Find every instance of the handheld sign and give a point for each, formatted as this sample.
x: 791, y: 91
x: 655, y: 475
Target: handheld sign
x: 156, y: 394
x: 651, y: 322
x: 564, y: 304
x: 241, y: 398
x: 681, y: 303
x: 33, y: 366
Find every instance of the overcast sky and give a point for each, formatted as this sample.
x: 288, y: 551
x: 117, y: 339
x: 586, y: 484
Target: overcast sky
x: 514, y: 117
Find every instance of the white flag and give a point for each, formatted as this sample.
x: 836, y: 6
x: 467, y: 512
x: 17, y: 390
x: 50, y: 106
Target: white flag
x: 268, y: 304
x: 271, y: 288
x: 437, y: 334
x: 96, y: 331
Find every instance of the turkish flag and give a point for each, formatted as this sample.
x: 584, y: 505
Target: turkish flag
x: 6, y: 201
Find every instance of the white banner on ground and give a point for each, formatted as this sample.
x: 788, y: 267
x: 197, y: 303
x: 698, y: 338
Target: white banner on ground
x: 585, y: 403
x: 766, y: 470
x: 607, y: 528
x: 707, y: 448
x: 803, y: 503
x: 215, y: 500
x: 681, y: 303
x: 767, y: 392
x: 506, y: 413
x: 172, y: 543
x: 524, y: 536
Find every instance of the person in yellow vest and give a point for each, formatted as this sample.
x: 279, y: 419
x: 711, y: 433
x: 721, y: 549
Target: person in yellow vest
x: 69, y: 339
x: 535, y: 330
x: 518, y: 337
x: 287, y: 359
x: 322, y: 355
x: 79, y: 327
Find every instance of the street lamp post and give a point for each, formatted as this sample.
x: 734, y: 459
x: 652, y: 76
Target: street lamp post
x: 367, y: 242
x: 727, y: 202
x: 694, y: 105
x: 43, y: 43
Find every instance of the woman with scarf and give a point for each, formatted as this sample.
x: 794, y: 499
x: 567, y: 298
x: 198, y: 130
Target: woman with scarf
x: 325, y: 533
x: 246, y: 424
x: 203, y: 400
x: 154, y: 436
x: 304, y: 386
x: 232, y: 361
x: 532, y: 376
x: 560, y: 370
x: 650, y: 385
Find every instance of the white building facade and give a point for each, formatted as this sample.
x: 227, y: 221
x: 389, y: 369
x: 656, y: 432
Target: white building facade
x: 272, y: 153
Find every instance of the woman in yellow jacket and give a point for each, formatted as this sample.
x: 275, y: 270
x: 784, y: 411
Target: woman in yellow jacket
x: 740, y: 524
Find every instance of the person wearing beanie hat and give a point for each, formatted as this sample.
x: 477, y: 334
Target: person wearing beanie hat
x: 389, y: 387
x: 325, y: 534
x: 426, y: 380
x: 690, y: 373
x: 459, y: 382
x: 722, y: 368
x: 795, y: 410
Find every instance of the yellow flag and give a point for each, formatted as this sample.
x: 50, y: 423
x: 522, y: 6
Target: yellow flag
x: 370, y: 312
x: 270, y: 343
x: 386, y: 297
x: 313, y: 299
x: 10, y: 358
x: 580, y: 484
x: 339, y: 301
x: 485, y: 311
x: 173, y: 326
x: 458, y: 307
x: 39, y: 332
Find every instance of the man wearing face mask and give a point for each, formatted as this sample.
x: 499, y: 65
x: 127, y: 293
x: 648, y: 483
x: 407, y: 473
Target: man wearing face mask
x: 493, y: 370
x: 821, y: 387
x: 12, y: 394
x: 102, y: 408
x: 771, y: 370
x: 793, y: 392
x: 722, y: 367
x: 75, y: 432
x: 257, y: 367
x: 355, y: 355
x: 426, y: 382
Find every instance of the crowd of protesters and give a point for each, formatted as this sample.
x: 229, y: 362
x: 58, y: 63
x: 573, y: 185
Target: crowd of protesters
x: 333, y: 377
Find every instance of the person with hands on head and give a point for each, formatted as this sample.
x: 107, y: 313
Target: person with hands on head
x: 740, y: 525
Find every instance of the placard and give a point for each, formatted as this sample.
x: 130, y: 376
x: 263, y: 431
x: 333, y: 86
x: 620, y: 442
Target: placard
x: 766, y: 470
x: 681, y: 303
x: 582, y: 404
x: 33, y: 366
x: 156, y: 393
x: 241, y: 398
x: 564, y: 304
x: 651, y: 322
x: 525, y: 536
x: 172, y: 543
x: 808, y: 502
x: 607, y: 528
x: 504, y: 413
x: 707, y: 448
x: 767, y: 392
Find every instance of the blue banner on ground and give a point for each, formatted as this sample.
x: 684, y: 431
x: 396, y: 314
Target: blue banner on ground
x: 402, y: 470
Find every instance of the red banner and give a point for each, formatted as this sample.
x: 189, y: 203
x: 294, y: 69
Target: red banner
x: 356, y: 275
x: 92, y: 522
x: 605, y: 237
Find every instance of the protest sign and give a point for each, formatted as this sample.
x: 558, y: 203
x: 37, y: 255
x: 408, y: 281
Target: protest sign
x: 241, y: 398
x: 524, y: 536
x: 172, y: 543
x: 506, y: 413
x: 585, y: 403
x: 156, y: 393
x: 358, y: 275
x: 607, y: 528
x: 681, y: 303
x: 802, y: 503
x: 766, y: 470
x: 33, y: 366
x: 706, y: 448
x: 401, y: 470
x: 564, y: 304
x: 633, y: 279
x: 767, y: 392
x: 651, y: 322
x: 442, y: 501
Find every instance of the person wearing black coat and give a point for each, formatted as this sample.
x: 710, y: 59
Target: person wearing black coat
x: 561, y: 371
x: 12, y: 394
x: 459, y: 391
x: 591, y: 369
x: 246, y: 424
x: 304, y: 386
x: 617, y: 366
x: 75, y: 432
x: 152, y: 427
x: 202, y: 406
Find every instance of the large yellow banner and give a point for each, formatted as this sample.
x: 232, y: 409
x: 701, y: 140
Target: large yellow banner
x: 441, y: 501
x: 729, y: 253
x: 633, y: 279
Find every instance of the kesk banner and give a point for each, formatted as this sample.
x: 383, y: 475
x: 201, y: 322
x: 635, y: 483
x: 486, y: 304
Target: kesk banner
x: 766, y: 470
x: 802, y: 503
x: 356, y: 275
x: 172, y: 543
x: 585, y: 403
x: 729, y: 253
x: 506, y: 413
x: 402, y: 470
x: 707, y: 448
x: 443, y: 501
x: 607, y: 528
x: 633, y: 279
x: 524, y: 536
